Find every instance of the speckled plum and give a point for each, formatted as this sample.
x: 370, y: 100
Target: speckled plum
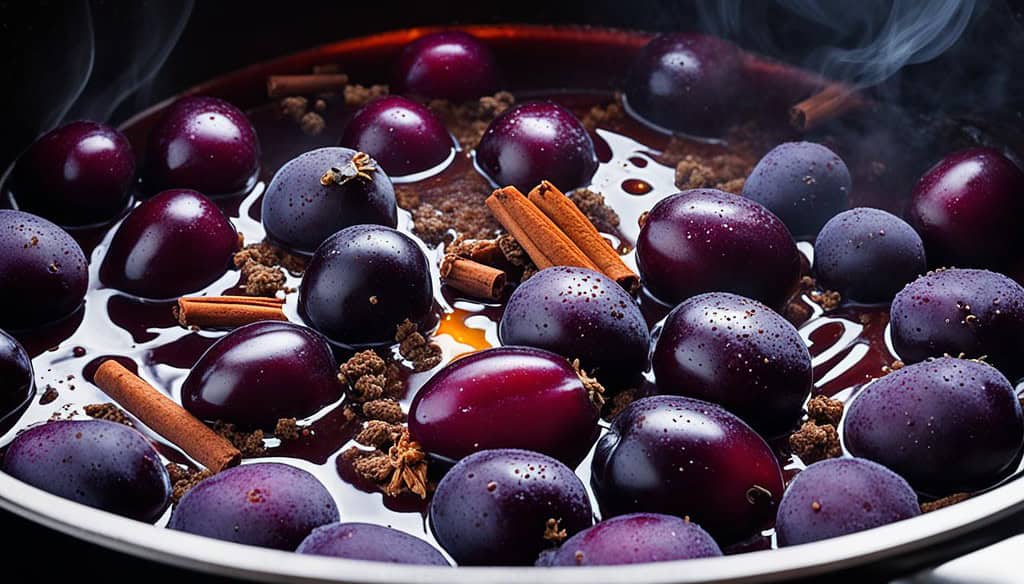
x: 17, y: 380
x: 374, y: 543
x: 449, y: 64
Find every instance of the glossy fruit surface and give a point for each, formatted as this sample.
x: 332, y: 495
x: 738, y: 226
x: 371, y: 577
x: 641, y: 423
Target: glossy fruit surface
x: 579, y: 314
x: 974, y: 312
x: 45, y: 272
x: 402, y: 135
x: 362, y: 283
x: 493, y: 507
x: 97, y: 463
x: 838, y: 496
x: 688, y: 458
x: 17, y: 381
x: 685, y: 82
x: 202, y: 143
x: 804, y: 183
x: 374, y: 543
x: 868, y: 255
x: 177, y: 242
x: 267, y: 504
x: 77, y: 174
x: 537, y: 141
x: 637, y: 538
x: 446, y: 65
x: 300, y: 212
x: 738, y: 353
x: 507, y: 397
x: 260, y: 373
x: 946, y: 425
x: 705, y: 240
x: 966, y: 209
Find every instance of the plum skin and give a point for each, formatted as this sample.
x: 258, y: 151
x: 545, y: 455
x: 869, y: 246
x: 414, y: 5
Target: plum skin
x: 485, y: 400
x: 804, y: 183
x: 375, y: 543
x: 300, y: 212
x: 101, y: 464
x: 260, y: 373
x: 689, y: 458
x: 403, y: 136
x: 77, y: 174
x: 492, y: 508
x: 266, y: 504
x: 839, y: 496
x: 17, y: 379
x: 450, y: 64
x: 706, y: 240
x: 40, y: 262
x: 738, y: 353
x: 868, y: 255
x: 579, y: 314
x: 636, y: 538
x: 961, y: 311
x: 362, y: 282
x: 946, y: 425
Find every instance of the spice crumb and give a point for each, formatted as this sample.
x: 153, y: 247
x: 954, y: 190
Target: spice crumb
x: 360, y: 95
x: 109, y: 412
x: 592, y: 205
x: 312, y: 124
x: 813, y: 442
x: 825, y: 410
x: 369, y: 377
x: 379, y: 434
x: 288, y: 429
x: 183, y: 478
x: 414, y: 347
x: 554, y: 532
x: 50, y: 394
x: 944, y: 502
x: 248, y: 443
x: 385, y: 410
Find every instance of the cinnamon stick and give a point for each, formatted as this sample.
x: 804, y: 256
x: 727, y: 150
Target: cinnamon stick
x: 543, y: 241
x: 227, y: 311
x: 166, y: 417
x: 833, y: 101
x: 473, y: 278
x: 289, y: 85
x: 567, y: 216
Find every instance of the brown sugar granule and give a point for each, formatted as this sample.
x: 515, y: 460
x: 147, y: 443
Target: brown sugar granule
x: 379, y: 434
x: 294, y: 107
x: 183, y: 479
x: 734, y: 186
x: 469, y: 120
x: 813, y: 442
x: 894, y: 366
x: 413, y: 346
x: 248, y: 443
x: 50, y: 394
x: 445, y: 207
x: 312, y: 124
x: 261, y: 280
x: 385, y: 410
x: 369, y: 377
x: 262, y: 253
x: 944, y: 502
x: 374, y: 466
x: 601, y: 116
x: 694, y: 174
x: 360, y: 95
x: 827, y: 299
x: 407, y: 198
x: 553, y: 531
x: 288, y: 429
x: 592, y: 204
x: 825, y: 410
x: 320, y: 106
x: 430, y: 224
x: 109, y: 412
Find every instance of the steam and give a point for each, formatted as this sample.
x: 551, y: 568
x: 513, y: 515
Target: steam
x: 878, y: 37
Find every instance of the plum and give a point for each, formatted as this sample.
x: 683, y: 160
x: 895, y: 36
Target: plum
x: 266, y: 504
x: 17, y: 380
x: 946, y: 425
x: 502, y: 507
x: 403, y: 136
x: 449, y: 64
x: 636, y: 538
x: 738, y: 353
x: 374, y: 543
x: 101, y: 464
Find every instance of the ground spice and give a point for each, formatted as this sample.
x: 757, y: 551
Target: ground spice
x: 109, y: 412
x: 250, y: 444
x: 944, y: 502
x: 813, y: 442
x: 288, y: 429
x: 183, y: 478
x: 413, y: 346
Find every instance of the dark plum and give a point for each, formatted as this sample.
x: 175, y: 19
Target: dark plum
x: 868, y: 255
x: 966, y: 209
x: 362, y: 282
x: 738, y: 353
x: 685, y: 82
x: 402, y: 135
x: 101, y: 464
x: 974, y: 312
x: 40, y: 262
x: 450, y: 64
x: 579, y: 314
x: 17, y: 380
x: 486, y: 400
x: 688, y: 458
x: 946, y: 425
x: 804, y: 183
x: 267, y: 504
x: 177, y: 242
x: 502, y: 507
x: 537, y: 141
x: 637, y: 538
x: 706, y: 240
x: 78, y: 174
x: 260, y: 373
x: 374, y: 543
x: 839, y: 496
x: 202, y: 143
x: 300, y: 211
